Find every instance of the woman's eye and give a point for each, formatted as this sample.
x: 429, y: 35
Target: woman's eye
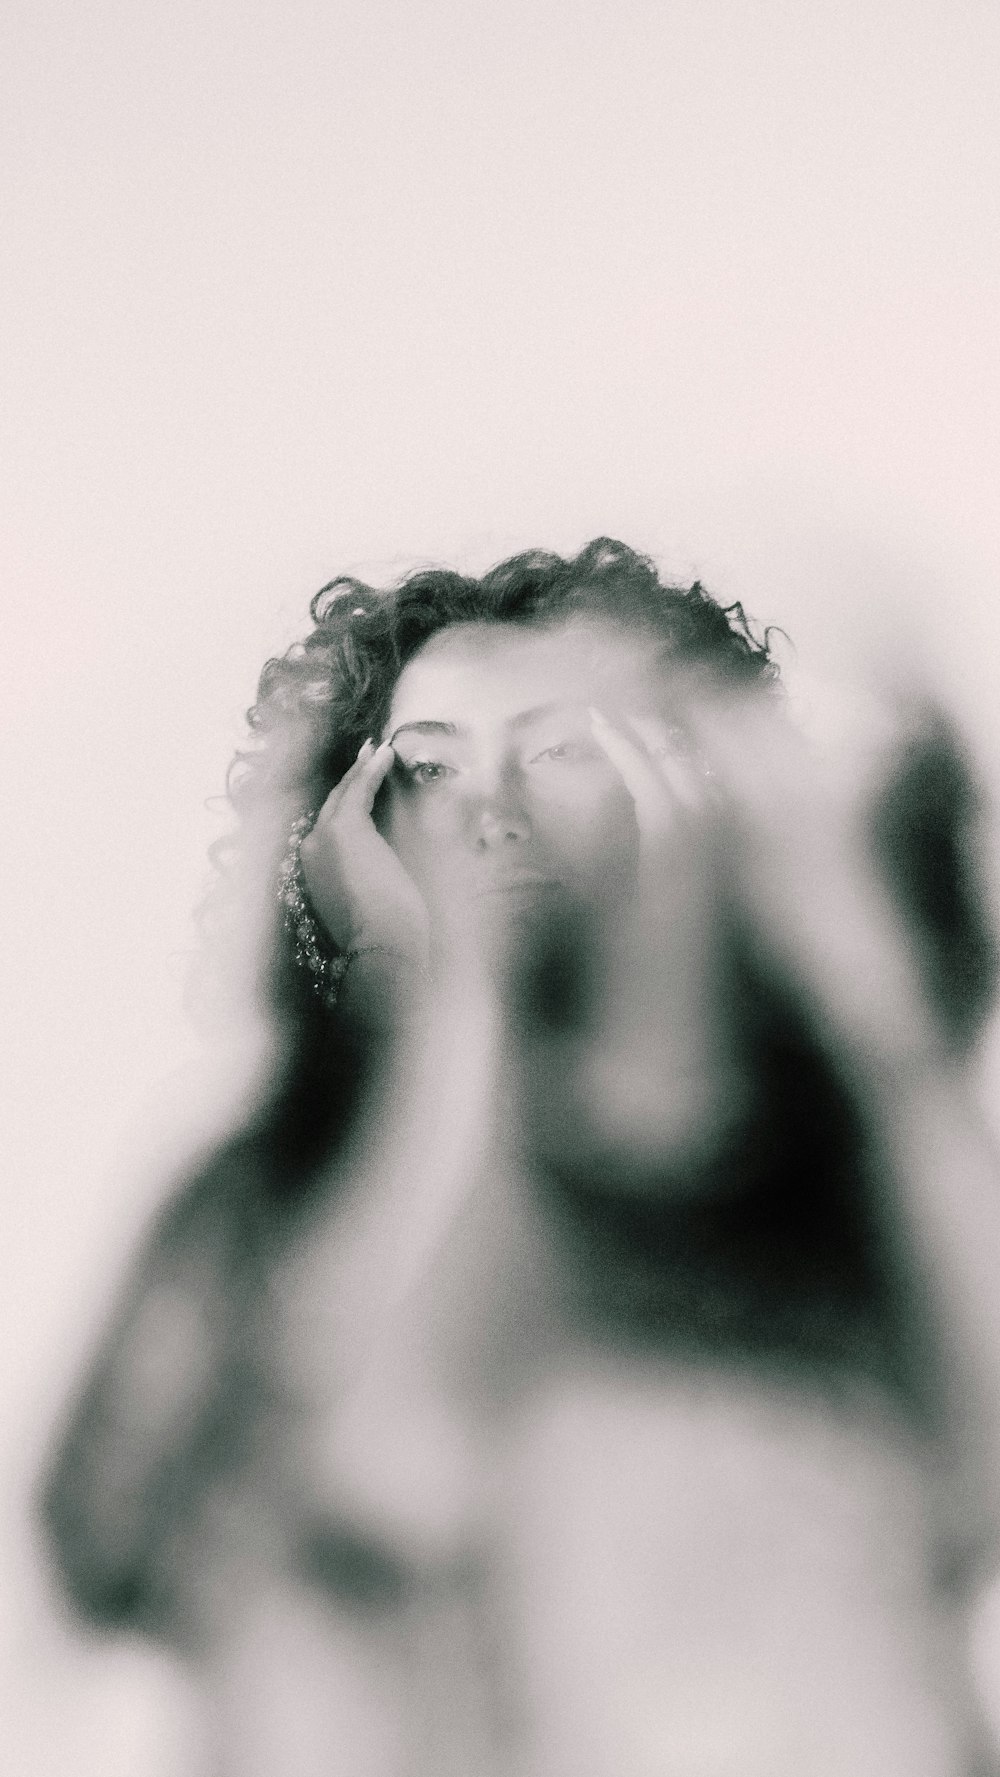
x: 566, y: 750
x: 426, y: 771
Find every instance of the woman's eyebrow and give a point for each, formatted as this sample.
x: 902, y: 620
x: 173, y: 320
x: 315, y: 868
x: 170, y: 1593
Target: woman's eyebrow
x: 423, y: 728
x: 523, y: 719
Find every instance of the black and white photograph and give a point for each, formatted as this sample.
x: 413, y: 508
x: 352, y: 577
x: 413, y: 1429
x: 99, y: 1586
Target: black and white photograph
x: 501, y: 686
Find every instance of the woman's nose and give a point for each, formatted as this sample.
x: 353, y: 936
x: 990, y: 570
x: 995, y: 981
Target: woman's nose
x: 497, y: 827
x: 499, y: 814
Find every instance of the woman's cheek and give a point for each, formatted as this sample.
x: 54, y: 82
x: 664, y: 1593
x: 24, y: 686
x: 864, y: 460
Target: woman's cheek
x: 424, y: 830
x: 413, y: 815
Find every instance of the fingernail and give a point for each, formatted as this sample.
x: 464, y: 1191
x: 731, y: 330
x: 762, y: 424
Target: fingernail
x: 364, y: 747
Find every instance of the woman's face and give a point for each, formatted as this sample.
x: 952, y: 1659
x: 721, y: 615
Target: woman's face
x: 500, y: 797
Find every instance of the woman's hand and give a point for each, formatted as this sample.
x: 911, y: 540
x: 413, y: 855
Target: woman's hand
x: 666, y: 928
x: 357, y: 885
x: 802, y: 873
x: 655, y: 1078
x: 763, y: 827
x: 664, y: 786
x: 788, y: 841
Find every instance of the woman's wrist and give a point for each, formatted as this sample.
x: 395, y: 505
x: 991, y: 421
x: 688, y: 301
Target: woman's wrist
x: 409, y: 946
x: 381, y: 983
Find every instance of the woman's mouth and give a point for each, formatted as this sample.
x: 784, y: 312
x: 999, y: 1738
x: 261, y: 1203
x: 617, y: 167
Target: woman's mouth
x: 517, y: 884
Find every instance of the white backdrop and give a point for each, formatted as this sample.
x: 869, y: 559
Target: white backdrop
x: 293, y: 287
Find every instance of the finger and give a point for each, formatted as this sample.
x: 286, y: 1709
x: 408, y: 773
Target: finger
x: 336, y: 795
x: 676, y: 772
x: 372, y: 768
x: 654, y: 810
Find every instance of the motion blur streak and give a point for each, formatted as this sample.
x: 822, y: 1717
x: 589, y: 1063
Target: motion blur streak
x: 623, y: 1402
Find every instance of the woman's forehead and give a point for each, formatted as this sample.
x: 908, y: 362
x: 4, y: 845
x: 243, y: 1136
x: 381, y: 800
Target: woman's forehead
x: 477, y: 673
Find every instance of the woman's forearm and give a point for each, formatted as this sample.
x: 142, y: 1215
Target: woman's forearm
x: 943, y: 1207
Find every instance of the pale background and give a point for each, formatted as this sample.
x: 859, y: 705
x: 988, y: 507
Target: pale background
x: 293, y: 287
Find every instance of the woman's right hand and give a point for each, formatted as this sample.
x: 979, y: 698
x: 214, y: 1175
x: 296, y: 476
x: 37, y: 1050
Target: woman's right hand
x: 358, y: 888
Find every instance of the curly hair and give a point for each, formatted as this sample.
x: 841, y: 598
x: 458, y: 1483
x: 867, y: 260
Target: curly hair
x: 317, y: 702
x: 339, y: 681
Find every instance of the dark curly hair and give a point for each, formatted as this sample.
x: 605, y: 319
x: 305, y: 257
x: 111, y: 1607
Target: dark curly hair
x: 340, y: 680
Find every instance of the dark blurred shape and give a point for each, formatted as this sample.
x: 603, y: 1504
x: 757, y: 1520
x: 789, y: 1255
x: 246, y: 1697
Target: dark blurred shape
x: 926, y: 837
x: 756, y: 1247
x: 169, y: 1406
x: 351, y: 1569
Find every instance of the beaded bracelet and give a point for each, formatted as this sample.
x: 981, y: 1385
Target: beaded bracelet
x: 325, y: 967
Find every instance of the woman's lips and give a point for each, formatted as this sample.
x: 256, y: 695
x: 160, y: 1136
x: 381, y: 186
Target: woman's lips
x: 515, y: 882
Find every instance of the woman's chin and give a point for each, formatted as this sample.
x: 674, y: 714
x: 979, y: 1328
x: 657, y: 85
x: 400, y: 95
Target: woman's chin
x: 507, y: 923
x: 499, y: 930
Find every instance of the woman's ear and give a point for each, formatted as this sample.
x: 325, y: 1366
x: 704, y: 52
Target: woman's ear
x: 927, y: 842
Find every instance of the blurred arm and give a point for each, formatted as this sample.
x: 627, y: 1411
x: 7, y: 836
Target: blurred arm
x: 142, y: 1426
x: 940, y: 1203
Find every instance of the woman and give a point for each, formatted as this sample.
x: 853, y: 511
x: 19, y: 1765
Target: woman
x: 585, y: 1359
